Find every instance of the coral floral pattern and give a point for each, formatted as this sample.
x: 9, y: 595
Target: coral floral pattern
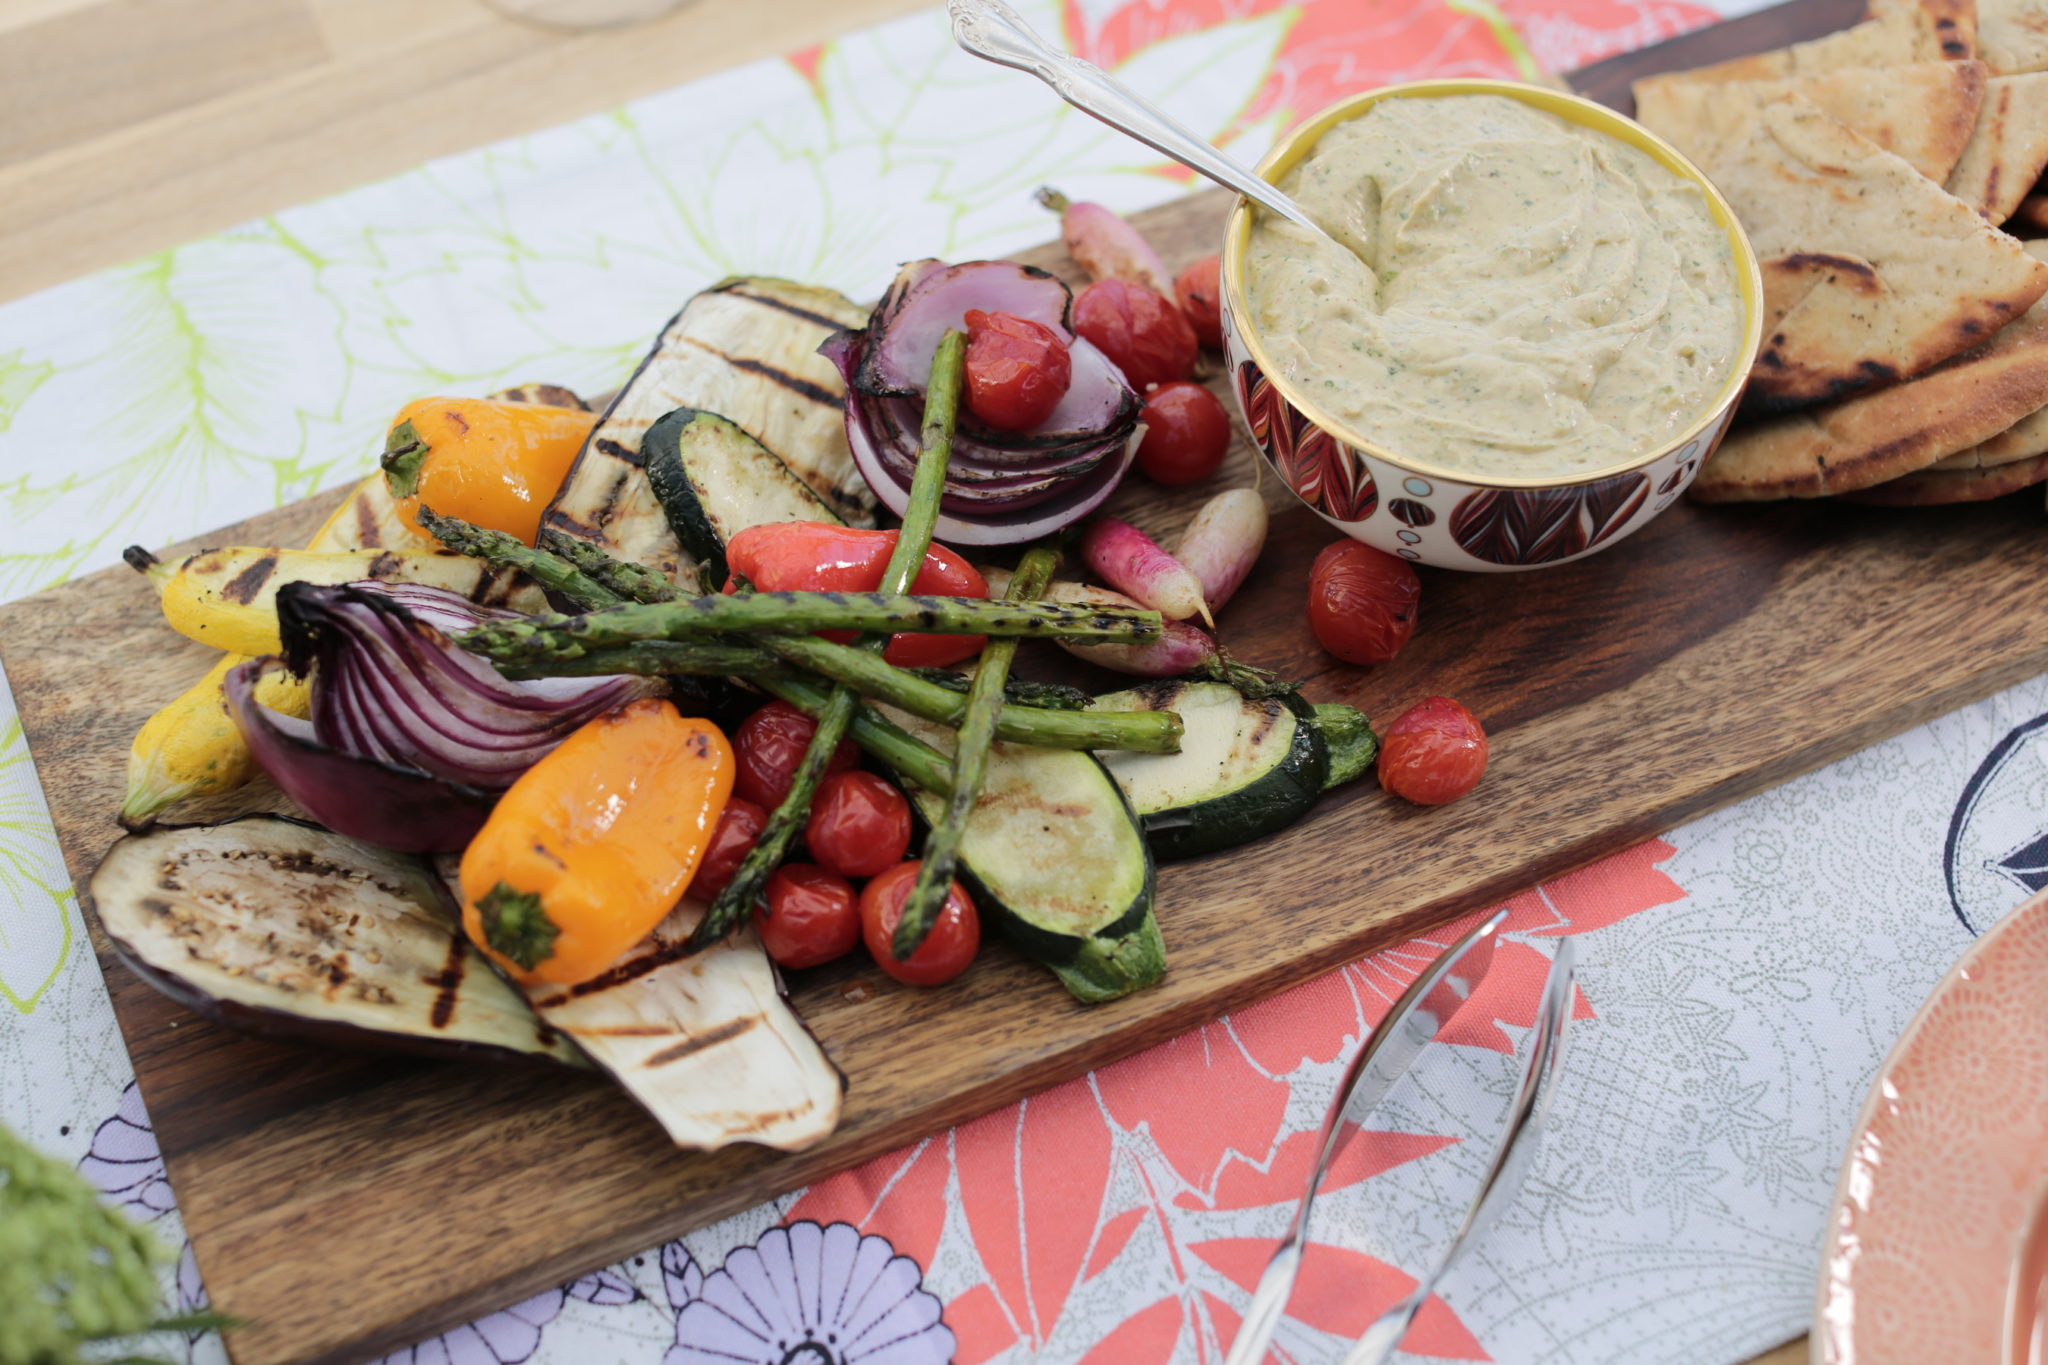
x: 1157, y: 1184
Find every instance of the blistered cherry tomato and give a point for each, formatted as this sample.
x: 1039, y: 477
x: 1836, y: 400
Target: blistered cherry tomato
x: 1434, y: 752
x: 1143, y: 334
x: 1200, y: 291
x: 769, y: 746
x: 811, y: 916
x: 1362, y: 602
x: 1186, y: 432
x: 1017, y: 370
x: 732, y: 839
x: 859, y: 825
x: 945, y: 952
x: 814, y: 556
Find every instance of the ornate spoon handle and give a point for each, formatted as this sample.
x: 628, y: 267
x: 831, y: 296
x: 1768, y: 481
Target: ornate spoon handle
x: 994, y: 32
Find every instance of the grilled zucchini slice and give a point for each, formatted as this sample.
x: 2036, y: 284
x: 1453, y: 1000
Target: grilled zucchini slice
x: 714, y: 481
x: 1056, y: 862
x: 1246, y: 767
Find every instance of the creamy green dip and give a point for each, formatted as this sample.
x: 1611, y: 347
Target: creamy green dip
x: 1526, y: 297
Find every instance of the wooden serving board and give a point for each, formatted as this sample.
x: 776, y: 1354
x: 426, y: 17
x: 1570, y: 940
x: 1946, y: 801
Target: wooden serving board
x: 346, y: 1205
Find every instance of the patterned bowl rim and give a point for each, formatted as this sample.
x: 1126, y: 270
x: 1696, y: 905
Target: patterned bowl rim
x: 1969, y: 966
x: 1297, y: 143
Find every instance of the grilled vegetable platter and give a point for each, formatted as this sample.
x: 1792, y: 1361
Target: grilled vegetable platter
x: 577, y: 729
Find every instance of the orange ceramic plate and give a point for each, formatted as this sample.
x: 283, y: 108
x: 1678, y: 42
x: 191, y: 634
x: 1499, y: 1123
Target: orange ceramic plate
x: 1937, y: 1245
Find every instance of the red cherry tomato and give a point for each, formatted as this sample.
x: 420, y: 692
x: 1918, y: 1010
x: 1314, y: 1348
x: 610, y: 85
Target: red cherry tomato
x: 1362, y: 602
x: 813, y: 556
x: 1186, y: 432
x: 859, y: 826
x: 945, y: 952
x: 1434, y: 752
x: 1200, y: 291
x: 1142, y: 334
x: 732, y: 839
x: 768, y: 747
x: 1017, y: 370
x: 811, y: 916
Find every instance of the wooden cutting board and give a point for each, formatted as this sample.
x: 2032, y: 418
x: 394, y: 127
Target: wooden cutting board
x: 346, y: 1205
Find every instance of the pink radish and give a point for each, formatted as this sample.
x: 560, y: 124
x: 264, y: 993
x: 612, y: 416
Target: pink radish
x: 1131, y: 562
x: 1180, y: 651
x: 1223, y: 542
x: 1106, y: 246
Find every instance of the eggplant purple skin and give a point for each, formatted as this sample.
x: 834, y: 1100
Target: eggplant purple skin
x: 282, y: 1026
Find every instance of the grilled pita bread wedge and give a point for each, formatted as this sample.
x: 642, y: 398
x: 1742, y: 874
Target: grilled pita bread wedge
x: 1925, y: 112
x: 1906, y: 31
x: 2023, y: 440
x: 1872, y: 272
x: 2007, y: 149
x: 2030, y: 216
x: 1874, y: 437
x: 1936, y: 487
x: 2012, y: 35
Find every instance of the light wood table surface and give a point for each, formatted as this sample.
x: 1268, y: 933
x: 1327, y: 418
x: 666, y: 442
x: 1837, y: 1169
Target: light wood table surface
x: 128, y: 126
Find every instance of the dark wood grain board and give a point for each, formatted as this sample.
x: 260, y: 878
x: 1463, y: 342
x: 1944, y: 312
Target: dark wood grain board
x: 346, y: 1205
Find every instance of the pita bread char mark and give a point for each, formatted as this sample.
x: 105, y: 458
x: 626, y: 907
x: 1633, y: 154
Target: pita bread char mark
x: 2008, y: 148
x: 1821, y: 203
x: 1878, y: 436
x: 1926, y: 112
x: 1894, y: 35
x: 1940, y: 487
x: 2014, y: 36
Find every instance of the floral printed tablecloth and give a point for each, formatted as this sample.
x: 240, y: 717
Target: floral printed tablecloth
x: 1742, y: 978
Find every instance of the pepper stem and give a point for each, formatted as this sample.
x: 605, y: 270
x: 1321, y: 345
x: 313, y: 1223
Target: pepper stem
x: 517, y: 927
x: 404, y: 452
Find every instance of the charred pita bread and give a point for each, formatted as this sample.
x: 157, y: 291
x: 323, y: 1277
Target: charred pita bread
x: 1872, y: 272
x: 1895, y: 34
x: 1925, y: 112
x: 2023, y: 440
x: 1934, y: 488
x: 2013, y: 35
x: 1875, y: 437
x: 2008, y: 147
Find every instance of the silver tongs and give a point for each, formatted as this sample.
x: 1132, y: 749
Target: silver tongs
x: 1415, y: 1019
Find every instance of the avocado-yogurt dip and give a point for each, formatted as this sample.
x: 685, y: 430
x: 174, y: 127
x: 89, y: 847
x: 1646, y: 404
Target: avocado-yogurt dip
x: 1527, y: 297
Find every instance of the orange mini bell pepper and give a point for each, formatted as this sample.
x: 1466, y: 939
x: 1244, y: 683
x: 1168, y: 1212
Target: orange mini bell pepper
x: 490, y: 463
x: 596, y: 843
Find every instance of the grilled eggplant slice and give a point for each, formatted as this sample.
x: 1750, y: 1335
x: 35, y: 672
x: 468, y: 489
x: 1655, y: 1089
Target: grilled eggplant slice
x: 745, y: 349
x: 715, y: 481
x: 1054, y: 858
x: 705, y: 1043
x: 289, y: 931
x: 1246, y: 766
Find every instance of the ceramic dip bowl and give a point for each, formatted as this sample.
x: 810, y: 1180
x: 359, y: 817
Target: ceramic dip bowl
x: 1402, y: 501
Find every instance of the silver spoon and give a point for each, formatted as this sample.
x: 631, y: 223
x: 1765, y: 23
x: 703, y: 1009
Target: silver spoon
x: 994, y: 32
